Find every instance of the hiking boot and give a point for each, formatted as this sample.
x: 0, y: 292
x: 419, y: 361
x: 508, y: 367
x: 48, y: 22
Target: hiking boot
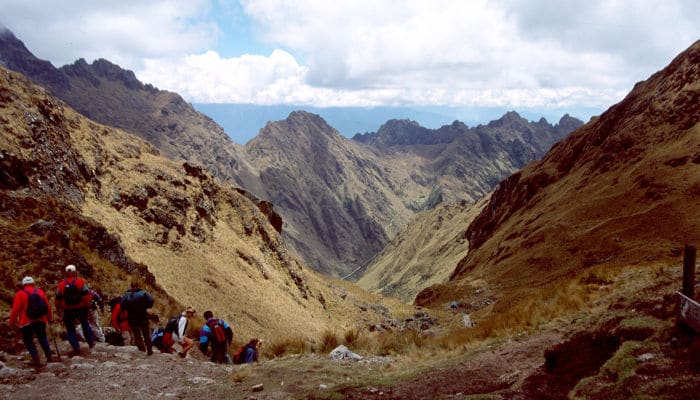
x: 150, y: 352
x: 73, y: 353
x: 50, y: 359
x: 182, y: 355
x: 36, y: 362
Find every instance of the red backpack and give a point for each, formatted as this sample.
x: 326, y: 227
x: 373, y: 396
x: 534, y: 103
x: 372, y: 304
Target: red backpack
x: 218, y: 332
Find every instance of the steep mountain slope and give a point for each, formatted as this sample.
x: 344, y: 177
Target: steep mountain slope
x: 340, y: 197
x: 622, y: 190
x: 100, y: 197
x: 422, y: 254
x: 113, y: 96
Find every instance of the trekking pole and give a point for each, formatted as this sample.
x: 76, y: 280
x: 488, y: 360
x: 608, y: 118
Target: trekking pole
x: 53, y: 338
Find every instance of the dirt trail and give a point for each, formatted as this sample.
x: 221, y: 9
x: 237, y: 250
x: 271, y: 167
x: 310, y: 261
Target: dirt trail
x: 498, y: 369
x: 124, y: 372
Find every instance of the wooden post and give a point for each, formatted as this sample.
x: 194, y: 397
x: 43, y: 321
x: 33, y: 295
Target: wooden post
x: 689, y: 271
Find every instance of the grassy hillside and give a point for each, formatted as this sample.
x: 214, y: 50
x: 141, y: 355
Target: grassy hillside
x: 425, y: 253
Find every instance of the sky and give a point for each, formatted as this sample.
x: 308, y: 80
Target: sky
x: 514, y: 54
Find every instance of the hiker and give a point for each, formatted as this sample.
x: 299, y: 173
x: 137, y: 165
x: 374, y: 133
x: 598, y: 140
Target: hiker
x: 248, y: 353
x: 72, y: 302
x: 219, y: 334
x: 136, y: 302
x: 97, y: 307
x: 120, y: 322
x: 157, y: 338
x: 175, y: 333
x: 32, y: 309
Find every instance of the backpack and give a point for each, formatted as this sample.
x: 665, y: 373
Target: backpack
x: 36, y: 306
x: 239, y: 355
x: 218, y: 333
x: 157, y: 337
x: 171, y: 326
x: 71, y: 293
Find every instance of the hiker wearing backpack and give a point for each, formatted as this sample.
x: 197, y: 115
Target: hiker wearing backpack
x: 73, y: 302
x: 32, y: 309
x: 136, y: 302
x: 219, y: 334
x: 120, y: 322
x: 248, y: 353
x: 175, y: 333
x: 96, y: 307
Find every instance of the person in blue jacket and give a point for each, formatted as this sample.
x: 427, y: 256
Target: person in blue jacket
x: 217, y: 333
x: 136, y: 302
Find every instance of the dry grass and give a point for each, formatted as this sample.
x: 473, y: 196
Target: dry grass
x: 286, y: 346
x: 329, y: 341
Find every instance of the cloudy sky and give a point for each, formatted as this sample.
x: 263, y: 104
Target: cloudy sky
x: 498, y: 53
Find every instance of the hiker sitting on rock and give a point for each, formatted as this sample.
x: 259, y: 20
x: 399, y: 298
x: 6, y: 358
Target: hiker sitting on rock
x: 73, y: 302
x: 120, y: 322
x: 175, y: 333
x: 247, y: 353
x: 32, y: 309
x: 219, y: 334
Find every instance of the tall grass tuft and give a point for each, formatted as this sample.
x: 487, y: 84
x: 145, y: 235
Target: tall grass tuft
x: 286, y: 346
x: 329, y: 341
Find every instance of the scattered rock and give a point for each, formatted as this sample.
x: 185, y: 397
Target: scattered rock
x: 467, y: 321
x: 343, y: 353
x: 201, y: 380
x: 258, y: 388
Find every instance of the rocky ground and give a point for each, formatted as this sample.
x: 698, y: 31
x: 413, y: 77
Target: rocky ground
x: 124, y: 372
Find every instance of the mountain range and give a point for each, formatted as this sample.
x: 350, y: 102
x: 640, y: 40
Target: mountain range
x: 341, y: 200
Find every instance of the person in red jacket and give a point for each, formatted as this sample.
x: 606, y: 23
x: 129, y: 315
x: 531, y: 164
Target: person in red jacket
x: 120, y: 320
x: 32, y: 322
x: 73, y: 301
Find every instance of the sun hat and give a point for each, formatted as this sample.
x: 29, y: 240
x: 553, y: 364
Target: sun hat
x: 70, y: 268
x: 27, y: 280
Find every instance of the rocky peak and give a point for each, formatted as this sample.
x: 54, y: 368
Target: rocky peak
x: 15, y: 55
x: 510, y: 120
x: 569, y: 123
x: 102, y: 69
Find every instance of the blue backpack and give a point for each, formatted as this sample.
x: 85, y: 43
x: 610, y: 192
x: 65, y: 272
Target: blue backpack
x: 157, y: 337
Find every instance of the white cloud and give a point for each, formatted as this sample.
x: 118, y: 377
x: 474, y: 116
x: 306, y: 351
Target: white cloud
x: 512, y: 52
x: 507, y: 53
x: 123, y: 32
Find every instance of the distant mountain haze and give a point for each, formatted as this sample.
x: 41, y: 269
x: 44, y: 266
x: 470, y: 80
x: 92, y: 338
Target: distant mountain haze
x: 341, y: 200
x: 242, y: 122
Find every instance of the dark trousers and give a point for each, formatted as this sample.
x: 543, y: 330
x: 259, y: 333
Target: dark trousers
x: 141, y: 331
x: 219, y: 354
x: 37, y: 329
x: 69, y: 317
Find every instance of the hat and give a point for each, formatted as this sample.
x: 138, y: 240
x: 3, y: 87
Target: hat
x: 27, y: 280
x: 70, y: 268
x: 191, y: 310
